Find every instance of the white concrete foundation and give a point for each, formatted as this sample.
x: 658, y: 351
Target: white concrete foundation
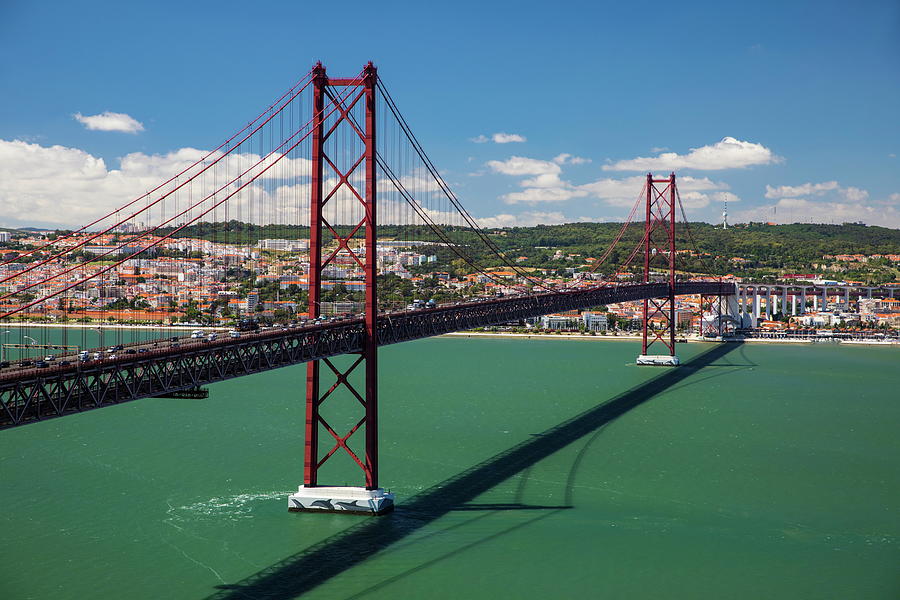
x: 658, y: 360
x: 357, y: 500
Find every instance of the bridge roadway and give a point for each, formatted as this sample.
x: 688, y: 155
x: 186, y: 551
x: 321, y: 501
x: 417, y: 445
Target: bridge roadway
x: 29, y: 395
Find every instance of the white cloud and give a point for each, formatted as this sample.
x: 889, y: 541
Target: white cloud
x: 725, y: 196
x: 616, y: 192
x: 693, y: 200
x: 545, y: 180
x: 791, y: 210
x: 534, y: 195
x: 508, y: 138
x: 68, y: 187
x: 850, y: 193
x: 854, y: 194
x: 730, y: 153
x: 825, y: 202
x: 566, y: 158
x: 658, y: 149
x: 525, y: 219
x: 623, y: 192
x: 806, y: 189
x: 545, y: 175
x: 520, y: 165
x: 499, y: 138
x: 698, y: 200
x: 110, y: 121
x: 546, y: 185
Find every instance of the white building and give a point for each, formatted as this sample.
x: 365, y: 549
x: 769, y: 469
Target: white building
x: 249, y: 304
x: 560, y: 322
x: 595, y: 321
x: 283, y: 245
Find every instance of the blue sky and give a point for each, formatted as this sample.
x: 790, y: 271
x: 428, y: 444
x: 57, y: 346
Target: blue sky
x: 809, y: 92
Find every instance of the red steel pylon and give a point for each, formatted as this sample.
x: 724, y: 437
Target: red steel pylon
x: 713, y: 307
x: 659, y: 245
x: 342, y: 178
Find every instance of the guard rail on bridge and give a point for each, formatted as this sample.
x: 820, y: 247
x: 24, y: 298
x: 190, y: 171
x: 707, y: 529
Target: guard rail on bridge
x: 36, y: 394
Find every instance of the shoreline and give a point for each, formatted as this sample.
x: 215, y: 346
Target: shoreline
x: 551, y: 336
x: 637, y: 338
x: 115, y: 326
x: 692, y: 339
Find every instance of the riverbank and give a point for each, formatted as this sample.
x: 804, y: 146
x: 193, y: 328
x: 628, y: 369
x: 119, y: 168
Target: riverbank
x: 888, y: 343
x: 551, y: 336
x: 115, y: 326
x: 682, y: 339
x: 476, y: 334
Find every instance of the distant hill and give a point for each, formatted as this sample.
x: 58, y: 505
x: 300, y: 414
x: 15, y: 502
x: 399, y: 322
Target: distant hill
x: 797, y: 241
x: 763, y: 248
x: 795, y: 246
x: 767, y: 247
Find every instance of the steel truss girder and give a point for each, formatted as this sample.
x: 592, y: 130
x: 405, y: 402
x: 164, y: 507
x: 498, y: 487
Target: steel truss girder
x: 40, y: 394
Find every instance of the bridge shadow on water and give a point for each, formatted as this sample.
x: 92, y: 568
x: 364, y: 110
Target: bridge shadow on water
x: 320, y: 562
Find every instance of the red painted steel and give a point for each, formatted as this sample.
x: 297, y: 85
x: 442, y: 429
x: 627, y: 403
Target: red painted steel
x: 646, y: 276
x: 319, y: 228
x: 371, y: 342
x: 311, y: 444
x: 713, y: 306
x: 671, y: 232
x: 659, y: 240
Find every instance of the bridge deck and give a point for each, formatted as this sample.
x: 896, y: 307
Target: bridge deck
x: 29, y: 395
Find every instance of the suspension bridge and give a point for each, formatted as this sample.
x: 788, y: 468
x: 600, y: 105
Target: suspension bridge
x: 334, y: 171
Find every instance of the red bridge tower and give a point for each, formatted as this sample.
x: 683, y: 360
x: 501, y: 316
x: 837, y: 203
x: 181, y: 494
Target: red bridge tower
x: 659, y: 247
x: 342, y: 177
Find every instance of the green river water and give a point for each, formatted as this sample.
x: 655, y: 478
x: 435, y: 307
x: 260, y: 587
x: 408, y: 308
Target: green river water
x: 522, y: 468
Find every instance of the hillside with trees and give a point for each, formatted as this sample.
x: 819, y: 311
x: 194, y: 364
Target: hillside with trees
x: 755, y: 249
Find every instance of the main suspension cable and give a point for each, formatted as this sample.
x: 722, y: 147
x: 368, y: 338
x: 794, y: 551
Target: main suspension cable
x: 171, y: 179
x: 177, y: 229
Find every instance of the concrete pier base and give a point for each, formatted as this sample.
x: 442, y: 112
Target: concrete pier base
x: 658, y: 360
x: 341, y: 499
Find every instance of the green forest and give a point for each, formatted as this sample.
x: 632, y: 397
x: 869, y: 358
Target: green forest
x: 763, y: 249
